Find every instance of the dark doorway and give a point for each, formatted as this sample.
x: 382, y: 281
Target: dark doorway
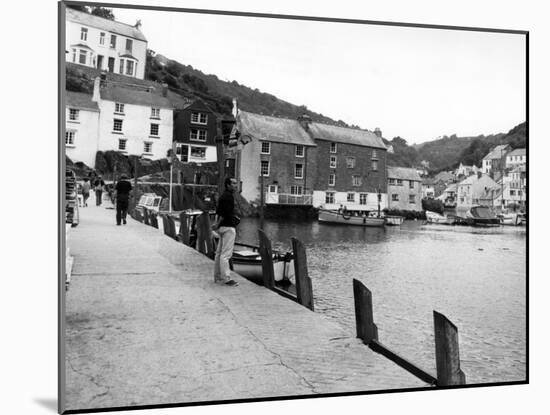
x: 111, y: 64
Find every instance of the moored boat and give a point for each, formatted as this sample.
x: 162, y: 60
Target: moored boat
x: 512, y: 218
x: 433, y: 217
x: 482, y: 216
x: 351, y: 217
x: 247, y: 262
x: 394, y: 220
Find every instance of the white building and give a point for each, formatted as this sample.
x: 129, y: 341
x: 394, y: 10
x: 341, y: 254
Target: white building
x: 105, y: 44
x: 517, y: 157
x: 473, y: 190
x: 81, y: 127
x: 495, y: 158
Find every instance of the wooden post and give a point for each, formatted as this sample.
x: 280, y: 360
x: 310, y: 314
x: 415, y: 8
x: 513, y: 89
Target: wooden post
x: 262, y: 200
x: 154, y: 220
x: 219, y: 154
x: 447, y: 358
x: 304, y: 290
x: 267, y: 260
x: 184, y: 232
x: 146, y: 216
x: 364, y: 320
x: 171, y: 227
x: 165, y: 225
x: 204, y: 235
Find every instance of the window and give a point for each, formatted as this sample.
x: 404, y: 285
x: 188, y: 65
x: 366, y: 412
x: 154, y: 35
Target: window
x: 183, y: 151
x: 374, y: 154
x: 512, y: 192
x: 121, y: 69
x: 197, y: 135
x: 113, y: 42
x: 299, y: 151
x: 266, y: 147
x: 412, y: 199
x: 351, y: 197
x: 155, y: 112
x: 117, y: 125
x: 411, y: 184
x: 83, y: 34
x: 399, y: 182
x: 299, y: 171
x: 147, y: 147
x: 331, y: 179
x: 363, y: 199
x: 332, y: 162
x: 296, y: 190
x: 69, y: 137
x: 122, y: 144
x: 198, y: 152
x: 73, y: 114
x: 199, y: 118
x: 391, y: 182
x: 129, y: 45
x: 333, y: 147
x: 356, y: 180
x: 82, y: 55
x: 129, y: 67
x: 329, y: 198
x: 519, y: 192
x: 102, y: 38
x: 374, y: 164
x: 350, y: 162
x: 154, y: 130
x: 119, y: 108
x: 264, y: 170
x: 395, y: 197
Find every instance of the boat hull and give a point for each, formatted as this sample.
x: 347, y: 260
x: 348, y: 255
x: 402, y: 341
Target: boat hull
x: 432, y: 217
x: 251, y: 269
x: 394, y: 220
x: 328, y: 216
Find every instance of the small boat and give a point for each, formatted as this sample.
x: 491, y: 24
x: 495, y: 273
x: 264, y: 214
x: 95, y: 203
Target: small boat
x: 351, y: 217
x: 150, y: 201
x: 482, y: 216
x: 513, y: 219
x: 247, y: 262
x: 433, y: 217
x: 394, y: 220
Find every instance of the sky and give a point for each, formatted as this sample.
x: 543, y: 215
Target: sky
x: 419, y: 84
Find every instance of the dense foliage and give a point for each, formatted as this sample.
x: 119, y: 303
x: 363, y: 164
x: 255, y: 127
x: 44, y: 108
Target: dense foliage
x: 96, y: 11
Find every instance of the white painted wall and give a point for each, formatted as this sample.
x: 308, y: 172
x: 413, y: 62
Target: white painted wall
x: 249, y: 170
x: 86, y: 140
x: 341, y: 198
x: 135, y: 128
x: 72, y: 37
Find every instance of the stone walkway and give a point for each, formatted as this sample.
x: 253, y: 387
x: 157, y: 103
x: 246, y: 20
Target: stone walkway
x: 145, y: 324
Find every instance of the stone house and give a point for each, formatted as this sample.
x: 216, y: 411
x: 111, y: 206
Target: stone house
x: 404, y: 189
x: 495, y: 160
x: 516, y: 158
x: 105, y: 44
x: 473, y: 190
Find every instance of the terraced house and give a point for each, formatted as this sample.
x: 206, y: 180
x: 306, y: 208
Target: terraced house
x: 404, y: 189
x: 105, y: 44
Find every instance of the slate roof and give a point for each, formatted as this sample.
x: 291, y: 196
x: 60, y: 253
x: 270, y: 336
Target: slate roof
x: 280, y: 130
x: 403, y: 173
x: 346, y: 135
x: 445, y: 176
x: 80, y: 100
x: 104, y: 24
x: 134, y: 96
x: 517, y: 152
x: 497, y: 152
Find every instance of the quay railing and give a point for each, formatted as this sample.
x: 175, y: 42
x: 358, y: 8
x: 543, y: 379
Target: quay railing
x: 288, y: 199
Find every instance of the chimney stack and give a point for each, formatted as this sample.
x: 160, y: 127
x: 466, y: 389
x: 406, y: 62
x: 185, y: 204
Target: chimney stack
x: 96, y: 95
x: 378, y: 132
x: 304, y: 120
x: 138, y: 24
x: 164, y: 90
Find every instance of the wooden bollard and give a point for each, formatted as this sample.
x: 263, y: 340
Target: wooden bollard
x: 165, y: 225
x: 146, y: 216
x: 364, y: 320
x: 171, y: 227
x: 447, y: 358
x: 266, y: 253
x: 304, y: 289
x: 205, y: 244
x: 154, y: 220
x: 184, y: 232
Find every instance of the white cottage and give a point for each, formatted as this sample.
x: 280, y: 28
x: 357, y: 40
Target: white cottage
x: 105, y: 44
x: 81, y: 127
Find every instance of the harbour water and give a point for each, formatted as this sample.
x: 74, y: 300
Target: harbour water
x: 474, y: 276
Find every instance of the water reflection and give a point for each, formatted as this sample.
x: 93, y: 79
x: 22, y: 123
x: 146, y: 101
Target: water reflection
x: 475, y: 276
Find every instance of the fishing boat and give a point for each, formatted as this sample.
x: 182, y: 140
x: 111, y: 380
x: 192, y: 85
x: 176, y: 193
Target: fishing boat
x: 482, y: 216
x: 351, y: 217
x: 247, y: 262
x: 394, y: 220
x: 512, y: 218
x: 433, y: 217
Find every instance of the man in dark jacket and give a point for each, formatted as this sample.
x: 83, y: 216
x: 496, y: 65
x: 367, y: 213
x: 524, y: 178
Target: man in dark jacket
x: 122, y: 188
x: 99, y: 184
x: 228, y: 216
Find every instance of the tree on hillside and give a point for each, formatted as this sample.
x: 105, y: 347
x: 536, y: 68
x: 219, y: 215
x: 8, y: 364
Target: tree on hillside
x: 103, y: 12
x: 475, y: 152
x: 79, y: 8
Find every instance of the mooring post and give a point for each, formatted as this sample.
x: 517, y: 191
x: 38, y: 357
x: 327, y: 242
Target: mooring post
x: 165, y: 225
x: 171, y: 227
x: 304, y: 289
x: 267, y: 260
x: 146, y: 216
x: 154, y: 220
x: 204, y: 235
x: 184, y: 228
x: 447, y: 358
x: 364, y: 320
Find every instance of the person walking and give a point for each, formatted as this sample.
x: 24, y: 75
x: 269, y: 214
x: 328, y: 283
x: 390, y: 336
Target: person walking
x: 122, y: 195
x: 99, y: 184
x: 228, y: 216
x: 85, y: 191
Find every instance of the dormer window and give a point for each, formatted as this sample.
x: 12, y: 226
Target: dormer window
x: 83, y: 34
x: 199, y: 118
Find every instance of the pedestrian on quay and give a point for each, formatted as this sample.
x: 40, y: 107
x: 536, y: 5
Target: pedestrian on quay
x: 85, y: 191
x: 228, y: 216
x: 122, y: 195
x: 99, y: 184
